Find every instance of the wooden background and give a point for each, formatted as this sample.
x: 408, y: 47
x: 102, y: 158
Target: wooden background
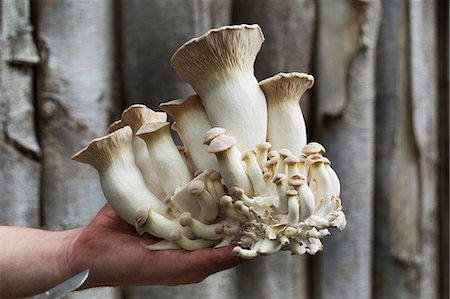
x: 380, y: 106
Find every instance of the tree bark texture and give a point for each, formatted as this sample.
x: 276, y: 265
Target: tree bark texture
x: 19, y: 149
x: 405, y: 256
x: 347, y: 35
x: 75, y: 93
x: 443, y: 11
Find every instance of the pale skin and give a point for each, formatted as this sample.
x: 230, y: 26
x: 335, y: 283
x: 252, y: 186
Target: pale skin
x: 33, y: 261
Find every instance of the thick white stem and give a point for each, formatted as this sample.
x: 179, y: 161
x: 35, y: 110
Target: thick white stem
x: 191, y: 125
x: 169, y: 164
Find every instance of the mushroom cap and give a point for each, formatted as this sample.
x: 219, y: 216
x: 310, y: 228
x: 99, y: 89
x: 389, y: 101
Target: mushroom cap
x: 313, y: 148
x: 264, y: 145
x: 291, y: 192
x: 314, y: 159
x: 213, y: 133
x: 286, y: 86
x: 221, y: 143
x: 291, y: 159
x: 172, y: 106
x: 138, y: 115
x: 102, y: 150
x: 248, y: 153
x: 116, y: 125
x: 279, y: 178
x: 284, y: 152
x: 234, y: 46
x: 152, y: 128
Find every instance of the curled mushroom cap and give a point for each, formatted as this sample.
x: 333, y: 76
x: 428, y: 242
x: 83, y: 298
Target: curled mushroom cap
x: 122, y: 182
x: 138, y: 115
x: 219, y: 66
x: 286, y: 126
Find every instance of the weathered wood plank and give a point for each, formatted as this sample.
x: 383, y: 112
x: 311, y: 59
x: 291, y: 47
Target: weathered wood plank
x: 443, y: 11
x: 347, y: 34
x: 423, y: 66
x: 19, y: 159
x: 75, y: 93
x: 405, y: 256
x: 151, y: 32
x: 289, y: 28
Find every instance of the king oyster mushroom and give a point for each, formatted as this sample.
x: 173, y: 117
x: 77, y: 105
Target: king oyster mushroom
x: 248, y: 182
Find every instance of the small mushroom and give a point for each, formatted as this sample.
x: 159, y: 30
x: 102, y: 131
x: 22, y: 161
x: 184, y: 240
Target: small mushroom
x: 136, y: 116
x: 191, y: 125
x: 286, y: 125
x: 208, y: 206
x: 320, y: 175
x: 169, y: 164
x: 202, y: 230
x: 254, y: 172
x: 230, y: 165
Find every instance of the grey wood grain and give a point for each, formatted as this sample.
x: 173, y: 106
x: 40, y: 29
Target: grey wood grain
x: 347, y: 37
x: 75, y: 94
x: 20, y: 165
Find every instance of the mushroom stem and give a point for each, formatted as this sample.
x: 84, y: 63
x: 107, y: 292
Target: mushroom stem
x: 169, y: 164
x: 320, y: 175
x: 262, y: 150
x: 293, y: 207
x: 136, y: 116
x: 219, y: 67
x: 254, y: 172
x: 205, y: 231
x: 208, y: 206
x: 226, y: 202
x: 191, y: 125
x: 286, y: 126
x: 280, y: 181
x: 230, y: 164
x: 121, y: 181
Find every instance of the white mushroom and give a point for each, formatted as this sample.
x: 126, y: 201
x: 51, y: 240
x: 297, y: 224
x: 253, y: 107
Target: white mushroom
x: 219, y: 66
x: 230, y: 164
x: 122, y: 182
x: 320, y: 175
x: 254, y: 172
x: 286, y: 126
x: 136, y: 116
x: 169, y: 164
x: 191, y: 125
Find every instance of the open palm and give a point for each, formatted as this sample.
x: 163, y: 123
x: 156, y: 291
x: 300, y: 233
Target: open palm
x: 114, y: 253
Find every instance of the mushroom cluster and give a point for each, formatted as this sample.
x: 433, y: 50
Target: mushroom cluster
x: 245, y: 174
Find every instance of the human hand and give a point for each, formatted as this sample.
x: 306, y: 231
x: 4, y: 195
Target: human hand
x: 113, y: 252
